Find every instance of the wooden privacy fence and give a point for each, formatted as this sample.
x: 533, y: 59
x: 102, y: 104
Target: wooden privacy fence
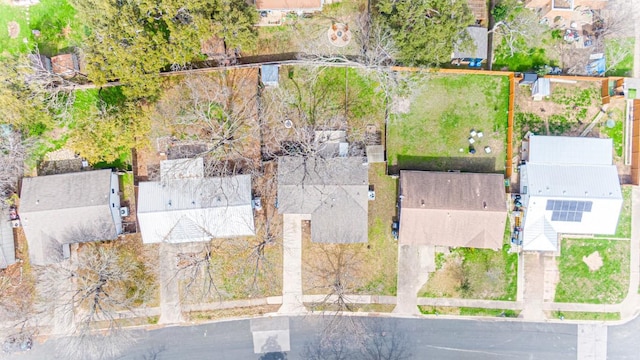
x: 635, y: 143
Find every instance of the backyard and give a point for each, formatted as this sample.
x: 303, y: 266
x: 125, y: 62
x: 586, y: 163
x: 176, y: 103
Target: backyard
x: 433, y: 132
x: 55, y: 20
x: 568, y: 111
x: 474, y: 274
x: 594, y: 271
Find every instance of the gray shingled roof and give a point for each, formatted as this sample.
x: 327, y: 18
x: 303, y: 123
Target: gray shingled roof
x: 334, y: 191
x: 67, y: 208
x: 7, y: 245
x: 479, y: 36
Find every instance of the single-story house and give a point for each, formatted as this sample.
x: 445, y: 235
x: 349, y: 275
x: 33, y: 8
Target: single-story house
x: 185, y: 206
x: 569, y: 186
x: 7, y: 244
x: 58, y: 210
x: 333, y: 191
x: 479, y: 36
x: 289, y: 5
x: 541, y: 89
x: 452, y: 209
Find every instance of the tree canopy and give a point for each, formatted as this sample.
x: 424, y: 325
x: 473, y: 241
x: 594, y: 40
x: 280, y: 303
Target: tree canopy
x: 131, y: 41
x: 426, y: 31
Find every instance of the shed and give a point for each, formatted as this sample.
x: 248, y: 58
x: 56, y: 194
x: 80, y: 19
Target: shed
x: 375, y: 153
x: 528, y: 79
x: 541, y: 89
x: 631, y: 88
x: 269, y: 75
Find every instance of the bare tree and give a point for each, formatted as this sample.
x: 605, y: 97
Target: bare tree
x: 95, y: 292
x: 519, y: 30
x: 13, y: 153
x: 218, y: 110
x: 334, y: 274
x: 199, y: 273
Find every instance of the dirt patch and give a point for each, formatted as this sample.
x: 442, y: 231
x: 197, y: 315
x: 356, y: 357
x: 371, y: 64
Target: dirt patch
x: 593, y: 261
x: 14, y: 29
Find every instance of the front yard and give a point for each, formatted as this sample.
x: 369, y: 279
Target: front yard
x: 474, y: 274
x: 594, y: 271
x: 433, y: 132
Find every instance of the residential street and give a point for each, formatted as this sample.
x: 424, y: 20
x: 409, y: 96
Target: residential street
x: 422, y: 338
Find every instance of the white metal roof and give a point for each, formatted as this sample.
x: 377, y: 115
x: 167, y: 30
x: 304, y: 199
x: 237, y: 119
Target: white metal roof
x: 539, y: 235
x: 570, y: 150
x: 541, y: 88
x: 573, y: 181
x: 187, y: 210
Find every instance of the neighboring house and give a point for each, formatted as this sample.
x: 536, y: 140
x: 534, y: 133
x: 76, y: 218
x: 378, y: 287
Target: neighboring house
x: 269, y: 75
x: 568, y: 186
x: 185, y: 206
x: 58, y: 210
x: 479, y: 52
x: 289, y: 5
x: 541, y: 89
x: 333, y: 191
x: 567, y: 12
x: 7, y: 244
x: 452, y: 209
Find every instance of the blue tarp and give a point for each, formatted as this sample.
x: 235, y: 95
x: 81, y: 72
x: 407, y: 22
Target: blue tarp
x: 597, y: 67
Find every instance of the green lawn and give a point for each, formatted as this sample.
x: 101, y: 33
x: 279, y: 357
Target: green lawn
x: 521, y: 61
x: 616, y: 46
x: 616, y: 133
x: 607, y: 285
x: 50, y: 17
x: 580, y: 315
x: 466, y: 311
x: 383, y: 254
x: 444, y: 109
x: 321, y: 94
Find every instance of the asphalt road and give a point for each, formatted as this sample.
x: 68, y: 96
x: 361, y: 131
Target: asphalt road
x: 420, y: 338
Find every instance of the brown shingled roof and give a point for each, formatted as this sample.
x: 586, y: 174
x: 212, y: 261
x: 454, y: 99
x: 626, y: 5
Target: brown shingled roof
x: 479, y: 9
x: 452, y: 209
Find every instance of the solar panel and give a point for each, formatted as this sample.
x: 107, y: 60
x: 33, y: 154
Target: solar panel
x: 587, y: 206
x: 550, y: 204
x: 568, y: 210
